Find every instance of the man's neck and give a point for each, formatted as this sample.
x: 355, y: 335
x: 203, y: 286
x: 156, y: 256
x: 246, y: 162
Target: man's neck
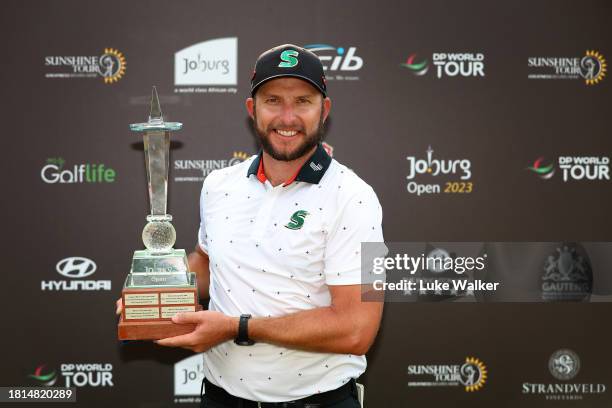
x: 278, y: 171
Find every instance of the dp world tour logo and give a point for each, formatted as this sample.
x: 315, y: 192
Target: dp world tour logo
x: 544, y: 171
x: 46, y: 379
x: 417, y: 68
x: 297, y: 220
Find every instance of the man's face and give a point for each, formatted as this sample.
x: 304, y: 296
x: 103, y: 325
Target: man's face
x: 288, y: 114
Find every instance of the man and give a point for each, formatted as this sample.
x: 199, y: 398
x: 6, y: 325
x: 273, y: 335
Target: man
x: 279, y: 254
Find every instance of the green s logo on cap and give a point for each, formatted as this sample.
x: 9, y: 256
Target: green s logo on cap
x: 288, y: 58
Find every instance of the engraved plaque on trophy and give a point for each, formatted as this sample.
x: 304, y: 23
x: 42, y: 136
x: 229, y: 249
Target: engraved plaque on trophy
x: 159, y: 284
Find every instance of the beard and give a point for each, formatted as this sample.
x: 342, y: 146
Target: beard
x: 308, y: 143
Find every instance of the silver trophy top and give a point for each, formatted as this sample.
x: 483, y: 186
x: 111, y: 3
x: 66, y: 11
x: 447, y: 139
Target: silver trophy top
x: 156, y: 119
x: 158, y: 235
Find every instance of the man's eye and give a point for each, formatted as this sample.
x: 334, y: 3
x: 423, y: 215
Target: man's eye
x: 303, y: 101
x: 271, y: 100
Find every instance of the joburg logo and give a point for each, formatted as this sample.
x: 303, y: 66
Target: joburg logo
x: 207, y: 67
x: 41, y: 378
x: 430, y: 167
x: 591, y: 67
x: 448, y: 64
x: 53, y: 172
x: 472, y: 375
x: 345, y: 61
x: 199, y: 169
x: 297, y: 220
x: 76, y: 267
x: 574, y: 168
x: 188, y: 376
x: 110, y: 66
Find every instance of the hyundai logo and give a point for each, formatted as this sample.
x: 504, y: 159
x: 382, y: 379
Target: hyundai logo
x: 76, y: 267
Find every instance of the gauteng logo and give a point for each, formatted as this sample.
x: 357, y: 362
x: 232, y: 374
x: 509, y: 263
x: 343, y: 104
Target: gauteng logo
x: 297, y: 220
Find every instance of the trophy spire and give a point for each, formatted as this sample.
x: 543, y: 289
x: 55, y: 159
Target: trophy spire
x: 156, y: 113
x: 158, y: 234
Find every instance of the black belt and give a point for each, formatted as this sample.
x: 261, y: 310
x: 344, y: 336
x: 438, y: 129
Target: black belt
x: 221, y: 396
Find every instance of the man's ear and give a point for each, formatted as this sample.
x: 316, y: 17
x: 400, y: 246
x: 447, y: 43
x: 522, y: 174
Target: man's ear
x: 250, y: 106
x: 326, y: 108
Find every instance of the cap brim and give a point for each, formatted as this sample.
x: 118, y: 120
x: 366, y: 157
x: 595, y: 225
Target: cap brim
x: 310, y: 81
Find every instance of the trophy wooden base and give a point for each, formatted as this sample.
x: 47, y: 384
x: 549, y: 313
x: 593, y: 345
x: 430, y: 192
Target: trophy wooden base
x: 152, y: 330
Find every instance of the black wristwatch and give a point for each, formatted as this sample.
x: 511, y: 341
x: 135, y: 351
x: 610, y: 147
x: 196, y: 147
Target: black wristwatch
x: 243, y: 331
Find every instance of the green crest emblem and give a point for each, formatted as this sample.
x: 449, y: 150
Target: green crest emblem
x: 297, y: 220
x: 288, y: 58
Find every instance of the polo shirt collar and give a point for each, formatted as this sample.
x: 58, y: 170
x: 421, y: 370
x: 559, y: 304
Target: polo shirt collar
x: 311, y: 172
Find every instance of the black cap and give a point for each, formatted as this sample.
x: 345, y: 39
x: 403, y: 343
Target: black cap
x: 289, y: 60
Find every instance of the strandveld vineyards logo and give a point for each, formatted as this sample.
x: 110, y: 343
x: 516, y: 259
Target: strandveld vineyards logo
x: 564, y: 365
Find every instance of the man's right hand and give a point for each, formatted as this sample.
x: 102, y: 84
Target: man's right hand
x: 119, y: 306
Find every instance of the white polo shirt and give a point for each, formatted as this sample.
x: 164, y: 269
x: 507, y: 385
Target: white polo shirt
x: 274, y: 251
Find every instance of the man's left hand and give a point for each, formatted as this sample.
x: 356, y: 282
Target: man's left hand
x: 211, y: 329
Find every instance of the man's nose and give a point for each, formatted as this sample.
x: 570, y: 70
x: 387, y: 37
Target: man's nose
x: 288, y: 116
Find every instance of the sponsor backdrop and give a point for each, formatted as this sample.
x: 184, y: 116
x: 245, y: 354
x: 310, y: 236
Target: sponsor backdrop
x: 476, y: 121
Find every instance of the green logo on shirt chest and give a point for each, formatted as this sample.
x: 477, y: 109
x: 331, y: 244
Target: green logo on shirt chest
x: 297, y: 220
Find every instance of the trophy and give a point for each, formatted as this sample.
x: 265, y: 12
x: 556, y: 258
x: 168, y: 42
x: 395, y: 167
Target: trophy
x: 159, y: 284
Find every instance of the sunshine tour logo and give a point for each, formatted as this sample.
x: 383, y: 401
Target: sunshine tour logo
x: 54, y: 173
x: 110, y: 66
x: 574, y: 168
x: 340, y: 61
x: 448, y: 64
x: 472, y: 375
x: 76, y: 375
x: 429, y: 167
x: 591, y: 67
x: 202, y: 168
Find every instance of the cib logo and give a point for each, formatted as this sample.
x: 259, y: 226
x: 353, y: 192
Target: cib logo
x: 337, y: 58
x: 76, y: 267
